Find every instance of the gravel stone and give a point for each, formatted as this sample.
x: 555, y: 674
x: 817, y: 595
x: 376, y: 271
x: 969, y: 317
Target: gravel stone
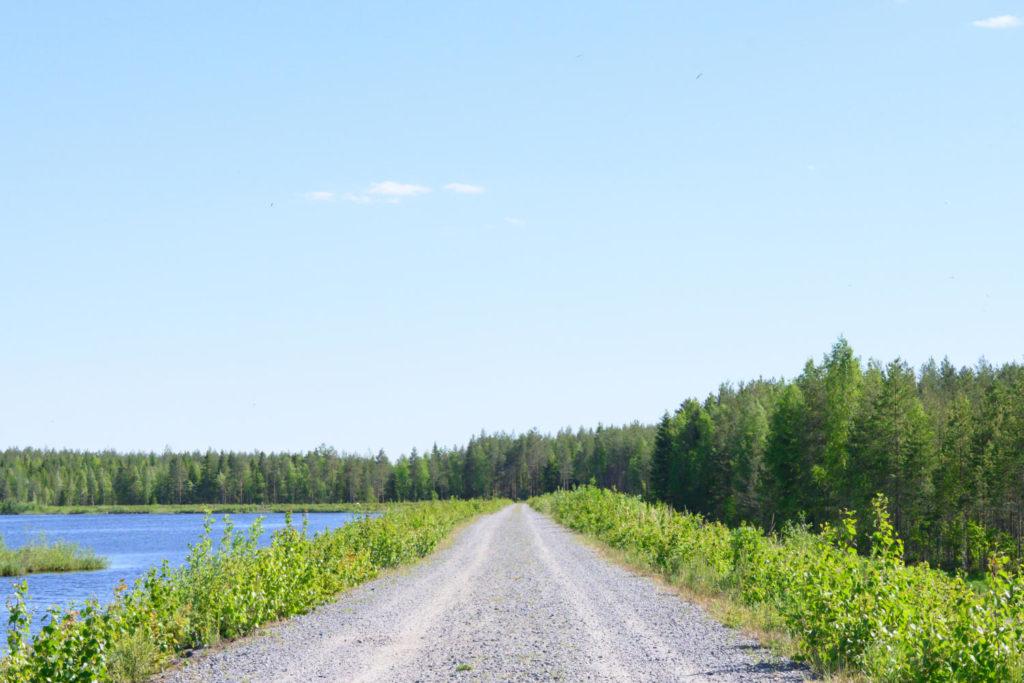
x: 515, y: 597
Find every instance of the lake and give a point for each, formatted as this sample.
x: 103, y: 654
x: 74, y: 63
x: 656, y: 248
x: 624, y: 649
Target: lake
x: 132, y: 543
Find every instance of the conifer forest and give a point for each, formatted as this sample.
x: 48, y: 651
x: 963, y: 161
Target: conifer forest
x: 944, y: 444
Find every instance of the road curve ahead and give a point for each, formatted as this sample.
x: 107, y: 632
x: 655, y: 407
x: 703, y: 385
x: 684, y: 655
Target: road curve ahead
x: 514, y: 598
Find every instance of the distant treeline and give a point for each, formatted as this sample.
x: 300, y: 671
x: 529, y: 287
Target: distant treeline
x: 945, y: 445
x: 498, y: 465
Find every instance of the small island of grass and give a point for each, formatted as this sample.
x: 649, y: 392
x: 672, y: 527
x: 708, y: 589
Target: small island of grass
x: 40, y: 556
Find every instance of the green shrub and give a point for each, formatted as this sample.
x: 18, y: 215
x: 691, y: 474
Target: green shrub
x: 874, y: 614
x: 133, y: 659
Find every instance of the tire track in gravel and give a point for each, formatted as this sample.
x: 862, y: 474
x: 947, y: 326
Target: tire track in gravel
x: 608, y: 665
x: 413, y: 619
x: 606, y: 604
x: 515, y: 597
x: 410, y: 638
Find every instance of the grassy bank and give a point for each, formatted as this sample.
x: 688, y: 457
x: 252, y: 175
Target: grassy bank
x: 40, y: 556
x: 10, y: 508
x: 842, y: 612
x: 225, y: 590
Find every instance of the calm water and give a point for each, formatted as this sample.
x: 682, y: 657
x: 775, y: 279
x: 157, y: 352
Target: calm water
x: 132, y: 543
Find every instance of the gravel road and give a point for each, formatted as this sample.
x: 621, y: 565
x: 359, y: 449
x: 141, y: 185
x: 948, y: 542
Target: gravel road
x: 514, y: 597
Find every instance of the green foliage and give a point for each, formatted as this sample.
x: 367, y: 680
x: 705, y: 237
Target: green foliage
x: 224, y: 590
x: 41, y: 556
x: 133, y: 658
x: 946, y: 446
x: 871, y: 614
x: 490, y: 465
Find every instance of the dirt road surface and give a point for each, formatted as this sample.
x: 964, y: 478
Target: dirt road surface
x: 515, y: 597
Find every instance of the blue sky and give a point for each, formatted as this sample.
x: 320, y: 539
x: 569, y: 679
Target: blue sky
x: 270, y: 225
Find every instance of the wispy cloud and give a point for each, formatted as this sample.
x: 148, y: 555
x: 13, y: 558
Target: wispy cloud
x: 357, y: 198
x: 511, y: 220
x: 385, y: 192
x: 464, y: 188
x: 1003, y: 21
x: 320, y: 196
x: 390, y: 188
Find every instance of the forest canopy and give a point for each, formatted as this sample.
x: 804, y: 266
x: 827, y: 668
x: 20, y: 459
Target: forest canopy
x: 944, y: 444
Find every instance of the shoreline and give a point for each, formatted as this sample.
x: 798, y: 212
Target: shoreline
x: 189, y: 509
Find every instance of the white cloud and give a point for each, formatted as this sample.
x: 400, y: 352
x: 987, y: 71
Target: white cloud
x: 514, y: 221
x: 384, y: 192
x: 357, y: 198
x: 390, y: 188
x: 464, y: 188
x: 1003, y: 21
x: 320, y: 196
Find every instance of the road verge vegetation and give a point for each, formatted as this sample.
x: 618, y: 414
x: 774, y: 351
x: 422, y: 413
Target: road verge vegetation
x: 224, y: 590
x: 844, y: 612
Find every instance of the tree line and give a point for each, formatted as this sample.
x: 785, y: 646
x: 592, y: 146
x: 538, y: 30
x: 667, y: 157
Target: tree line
x: 945, y: 445
x: 490, y: 465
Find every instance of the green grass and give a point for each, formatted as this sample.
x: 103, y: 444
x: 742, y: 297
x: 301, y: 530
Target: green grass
x: 133, y: 659
x: 9, y: 508
x: 40, y: 556
x: 464, y: 667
